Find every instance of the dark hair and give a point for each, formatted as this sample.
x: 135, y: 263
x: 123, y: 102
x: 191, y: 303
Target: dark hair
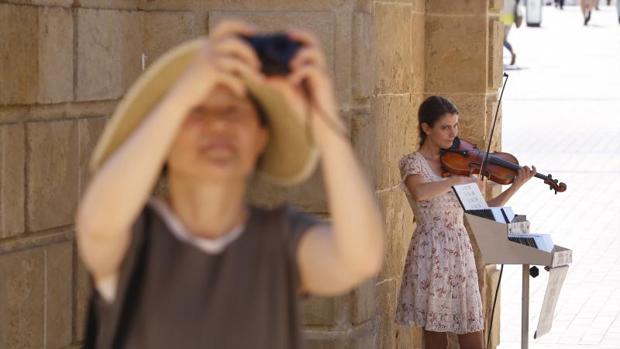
x: 431, y: 110
x: 262, y: 120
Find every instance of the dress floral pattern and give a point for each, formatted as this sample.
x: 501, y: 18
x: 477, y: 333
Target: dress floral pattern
x: 439, y: 289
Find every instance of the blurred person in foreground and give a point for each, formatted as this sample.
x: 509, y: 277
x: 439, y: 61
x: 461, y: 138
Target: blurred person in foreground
x: 199, y: 266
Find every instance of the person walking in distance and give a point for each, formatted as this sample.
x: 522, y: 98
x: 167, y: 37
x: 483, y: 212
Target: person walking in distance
x: 586, y: 9
x: 509, y: 17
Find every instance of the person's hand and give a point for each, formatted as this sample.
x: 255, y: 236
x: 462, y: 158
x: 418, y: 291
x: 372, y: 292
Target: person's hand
x: 308, y: 87
x: 524, y: 174
x: 224, y: 59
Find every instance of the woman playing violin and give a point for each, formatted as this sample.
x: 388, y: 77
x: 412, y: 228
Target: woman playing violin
x: 439, y: 289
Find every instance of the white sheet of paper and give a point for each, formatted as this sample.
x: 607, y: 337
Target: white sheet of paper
x: 554, y: 285
x: 470, y: 196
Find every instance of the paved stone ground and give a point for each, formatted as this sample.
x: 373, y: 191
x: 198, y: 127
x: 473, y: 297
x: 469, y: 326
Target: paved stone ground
x: 562, y: 113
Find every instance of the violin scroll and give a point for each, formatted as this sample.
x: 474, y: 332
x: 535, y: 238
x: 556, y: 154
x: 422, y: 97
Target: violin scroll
x: 554, y: 185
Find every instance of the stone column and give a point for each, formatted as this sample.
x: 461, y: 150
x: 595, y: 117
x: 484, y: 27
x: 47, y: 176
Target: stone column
x: 464, y: 63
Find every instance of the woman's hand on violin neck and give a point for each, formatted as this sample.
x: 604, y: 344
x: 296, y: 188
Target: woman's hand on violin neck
x: 524, y: 174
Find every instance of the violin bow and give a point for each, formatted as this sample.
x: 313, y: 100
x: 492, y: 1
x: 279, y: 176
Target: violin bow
x: 499, y: 102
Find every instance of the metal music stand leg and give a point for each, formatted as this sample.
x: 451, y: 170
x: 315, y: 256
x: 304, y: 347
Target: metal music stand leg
x: 525, y: 305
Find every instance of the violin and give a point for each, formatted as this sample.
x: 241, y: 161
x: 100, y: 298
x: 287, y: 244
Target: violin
x: 464, y: 159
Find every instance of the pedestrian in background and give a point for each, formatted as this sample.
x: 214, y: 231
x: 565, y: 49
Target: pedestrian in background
x: 586, y: 9
x: 510, y: 15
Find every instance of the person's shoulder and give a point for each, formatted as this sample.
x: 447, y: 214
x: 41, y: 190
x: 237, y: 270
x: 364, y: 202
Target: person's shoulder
x: 284, y: 210
x: 263, y: 210
x: 285, y: 218
x: 408, y: 158
x: 145, y: 216
x: 267, y: 217
x: 411, y: 155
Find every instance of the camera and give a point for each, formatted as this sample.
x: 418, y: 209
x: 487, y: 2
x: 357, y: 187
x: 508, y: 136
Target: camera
x: 275, y: 52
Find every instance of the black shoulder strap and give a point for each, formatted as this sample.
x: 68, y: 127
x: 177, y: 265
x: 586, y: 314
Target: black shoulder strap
x: 132, y: 289
x: 90, y: 335
x: 111, y: 331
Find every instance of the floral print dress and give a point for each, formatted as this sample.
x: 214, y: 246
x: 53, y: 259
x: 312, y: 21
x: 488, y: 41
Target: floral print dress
x: 439, y: 289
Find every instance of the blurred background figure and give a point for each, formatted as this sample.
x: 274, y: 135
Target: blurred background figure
x: 510, y: 15
x: 559, y: 4
x: 586, y: 9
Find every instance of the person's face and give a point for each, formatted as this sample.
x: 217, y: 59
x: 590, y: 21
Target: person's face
x: 221, y: 139
x: 444, y: 131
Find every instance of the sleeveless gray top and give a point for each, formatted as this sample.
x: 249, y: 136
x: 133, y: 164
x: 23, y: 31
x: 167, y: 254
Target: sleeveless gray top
x: 172, y: 294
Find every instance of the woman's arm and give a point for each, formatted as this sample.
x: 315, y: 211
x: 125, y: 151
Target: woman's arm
x: 333, y: 259
x: 420, y: 190
x: 119, y: 189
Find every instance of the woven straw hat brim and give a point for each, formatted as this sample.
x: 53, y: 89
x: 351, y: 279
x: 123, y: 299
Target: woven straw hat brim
x: 290, y: 157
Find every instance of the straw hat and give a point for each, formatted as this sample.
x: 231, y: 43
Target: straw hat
x: 290, y: 157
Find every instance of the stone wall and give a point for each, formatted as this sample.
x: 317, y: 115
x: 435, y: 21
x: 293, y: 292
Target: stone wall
x: 64, y: 65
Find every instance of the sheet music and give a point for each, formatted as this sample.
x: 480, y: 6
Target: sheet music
x: 554, y: 285
x: 470, y: 196
x: 508, y: 213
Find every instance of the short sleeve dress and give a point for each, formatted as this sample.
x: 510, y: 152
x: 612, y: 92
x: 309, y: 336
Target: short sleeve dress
x: 439, y: 289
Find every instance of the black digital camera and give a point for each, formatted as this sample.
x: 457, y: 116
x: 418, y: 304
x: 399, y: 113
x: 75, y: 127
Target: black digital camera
x: 275, y: 52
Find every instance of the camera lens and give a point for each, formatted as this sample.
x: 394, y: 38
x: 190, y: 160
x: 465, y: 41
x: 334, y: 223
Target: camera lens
x: 275, y: 52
